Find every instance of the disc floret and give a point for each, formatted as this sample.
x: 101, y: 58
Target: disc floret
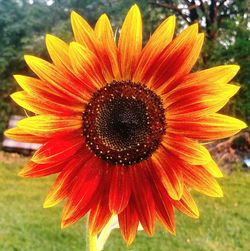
x: 124, y: 122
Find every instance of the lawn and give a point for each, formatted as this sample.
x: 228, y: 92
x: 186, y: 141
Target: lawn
x: 224, y: 224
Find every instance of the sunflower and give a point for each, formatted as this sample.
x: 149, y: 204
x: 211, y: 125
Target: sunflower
x: 121, y: 125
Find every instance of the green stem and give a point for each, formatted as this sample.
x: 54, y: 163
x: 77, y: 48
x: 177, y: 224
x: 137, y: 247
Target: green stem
x: 95, y: 243
x: 103, y: 237
x: 92, y: 242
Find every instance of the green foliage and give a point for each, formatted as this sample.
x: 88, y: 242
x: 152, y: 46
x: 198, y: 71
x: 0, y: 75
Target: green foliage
x: 239, y: 50
x: 233, y: 47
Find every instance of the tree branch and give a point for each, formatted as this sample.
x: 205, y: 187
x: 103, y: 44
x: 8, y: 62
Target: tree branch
x: 193, y: 13
x: 204, y: 9
x: 174, y: 8
x: 221, y: 3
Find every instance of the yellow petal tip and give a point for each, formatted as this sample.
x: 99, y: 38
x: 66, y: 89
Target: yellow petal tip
x: 48, y: 203
x: 176, y: 196
x: 11, y: 133
x: 13, y: 95
x: 173, y: 232
x: 7, y: 133
x: 201, y: 36
x: 239, y: 124
x: 220, y: 193
x: 37, y: 158
x: 244, y: 125
x: 75, y: 16
x: 219, y: 175
x: 29, y: 59
x: 172, y: 19
x: 49, y: 38
x: 63, y: 225
x: 104, y: 16
x: 22, y: 173
x: 135, y: 8
x: 194, y: 27
x: 234, y: 68
x: 196, y: 213
x: 17, y: 77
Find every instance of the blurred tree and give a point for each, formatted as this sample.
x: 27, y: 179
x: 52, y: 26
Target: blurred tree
x: 237, y: 50
x: 210, y: 14
x: 12, y: 30
x: 24, y: 23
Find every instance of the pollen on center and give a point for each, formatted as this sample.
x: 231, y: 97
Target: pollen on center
x: 123, y: 123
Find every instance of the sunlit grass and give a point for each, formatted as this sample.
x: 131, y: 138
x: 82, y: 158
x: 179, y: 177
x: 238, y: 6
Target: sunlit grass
x: 26, y: 226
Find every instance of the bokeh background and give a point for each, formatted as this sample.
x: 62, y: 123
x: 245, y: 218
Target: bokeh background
x: 224, y: 223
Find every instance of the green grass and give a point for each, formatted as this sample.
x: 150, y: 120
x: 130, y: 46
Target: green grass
x: 224, y: 224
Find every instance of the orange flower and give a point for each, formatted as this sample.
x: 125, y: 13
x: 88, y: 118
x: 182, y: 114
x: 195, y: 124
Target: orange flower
x: 121, y: 125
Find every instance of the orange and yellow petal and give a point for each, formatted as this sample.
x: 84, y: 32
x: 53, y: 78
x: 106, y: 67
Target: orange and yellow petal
x: 185, y: 67
x: 165, y: 212
x: 186, y: 149
x: 83, y: 193
x: 214, y: 126
x: 100, y: 214
x: 56, y: 79
x: 66, y: 179
x: 198, y: 100
x: 86, y: 66
x: 130, y: 42
x: 175, y: 61
x: 59, y: 53
x: 128, y: 222
x: 120, y: 189
x: 162, y: 36
x: 100, y: 42
x: 20, y: 135
x: 35, y: 170
x: 42, y: 90
x: 163, y: 205
x: 213, y: 169
x: 142, y: 193
x: 107, y: 50
x: 201, y: 81
x: 58, y: 149
x: 220, y: 75
x: 43, y: 106
x: 83, y: 32
x: 201, y: 180
x: 169, y: 172
x: 49, y: 126
x: 187, y: 204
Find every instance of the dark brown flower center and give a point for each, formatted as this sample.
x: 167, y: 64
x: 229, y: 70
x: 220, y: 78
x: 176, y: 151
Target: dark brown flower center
x: 123, y: 123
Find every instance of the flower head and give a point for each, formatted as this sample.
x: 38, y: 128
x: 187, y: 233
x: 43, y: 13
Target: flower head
x: 121, y: 125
